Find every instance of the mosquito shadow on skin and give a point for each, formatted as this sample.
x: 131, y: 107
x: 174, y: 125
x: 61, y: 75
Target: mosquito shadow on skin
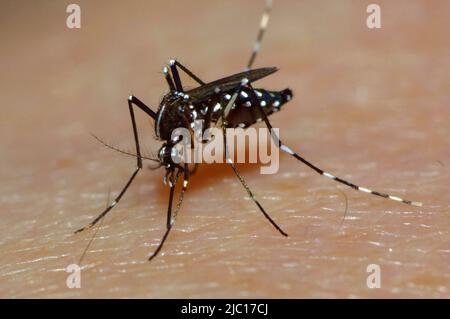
x: 210, y: 174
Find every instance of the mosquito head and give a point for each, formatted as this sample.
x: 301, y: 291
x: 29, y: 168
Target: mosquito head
x: 169, y: 156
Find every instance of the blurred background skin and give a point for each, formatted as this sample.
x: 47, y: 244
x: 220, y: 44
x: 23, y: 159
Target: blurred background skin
x: 369, y: 105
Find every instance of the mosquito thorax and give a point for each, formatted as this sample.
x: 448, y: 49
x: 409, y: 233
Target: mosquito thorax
x: 171, y: 115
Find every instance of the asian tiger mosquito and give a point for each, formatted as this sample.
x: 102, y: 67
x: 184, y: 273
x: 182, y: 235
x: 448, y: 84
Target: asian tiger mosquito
x: 229, y: 102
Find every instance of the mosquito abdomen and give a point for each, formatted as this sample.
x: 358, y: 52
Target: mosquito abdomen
x: 246, y: 113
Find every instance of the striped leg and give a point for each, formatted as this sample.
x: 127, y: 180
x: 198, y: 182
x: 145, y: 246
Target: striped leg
x: 171, y: 217
x: 169, y: 79
x: 289, y: 151
x: 93, y: 235
x: 132, y: 100
x: 230, y: 103
x: 249, y: 192
x: 174, y: 81
x: 262, y: 29
x: 223, y: 123
x: 187, y: 172
x: 174, y: 64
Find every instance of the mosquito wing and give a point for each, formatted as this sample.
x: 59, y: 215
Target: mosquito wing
x: 228, y: 83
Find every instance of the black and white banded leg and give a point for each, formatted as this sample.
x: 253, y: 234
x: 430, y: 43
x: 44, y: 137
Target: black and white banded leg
x: 231, y: 102
x: 243, y: 182
x: 174, y: 81
x: 132, y: 100
x: 233, y: 166
x: 93, y: 235
x: 289, y: 151
x: 171, y: 217
x: 262, y: 30
x: 172, y: 183
x: 173, y: 67
x: 186, y: 172
x: 169, y: 79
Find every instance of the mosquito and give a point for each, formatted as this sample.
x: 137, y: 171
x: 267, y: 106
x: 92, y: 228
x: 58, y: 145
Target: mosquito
x: 229, y: 102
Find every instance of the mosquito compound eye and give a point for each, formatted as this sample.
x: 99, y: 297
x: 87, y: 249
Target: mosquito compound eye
x: 169, y: 155
x: 161, y: 154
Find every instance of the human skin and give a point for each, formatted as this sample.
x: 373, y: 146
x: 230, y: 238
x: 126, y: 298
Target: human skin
x: 371, y: 106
